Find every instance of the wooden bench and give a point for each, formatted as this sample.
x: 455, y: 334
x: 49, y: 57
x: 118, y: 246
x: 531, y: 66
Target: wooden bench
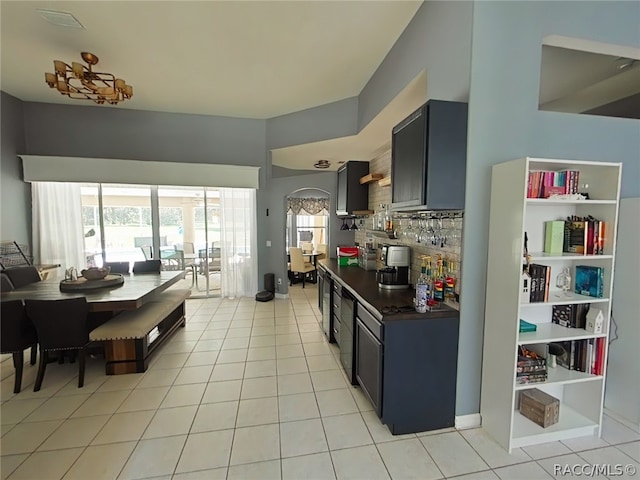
x: 130, y: 337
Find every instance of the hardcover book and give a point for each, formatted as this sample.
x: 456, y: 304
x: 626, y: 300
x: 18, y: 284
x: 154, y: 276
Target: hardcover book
x: 589, y: 280
x: 553, y: 236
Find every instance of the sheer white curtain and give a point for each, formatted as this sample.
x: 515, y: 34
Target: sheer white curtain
x: 57, y: 224
x: 238, y: 238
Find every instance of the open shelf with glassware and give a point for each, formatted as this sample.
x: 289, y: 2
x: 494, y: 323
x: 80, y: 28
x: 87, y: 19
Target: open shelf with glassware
x: 515, y: 217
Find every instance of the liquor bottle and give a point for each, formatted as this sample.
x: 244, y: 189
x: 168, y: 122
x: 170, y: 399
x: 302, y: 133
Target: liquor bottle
x: 450, y: 281
x: 438, y: 282
x: 422, y: 289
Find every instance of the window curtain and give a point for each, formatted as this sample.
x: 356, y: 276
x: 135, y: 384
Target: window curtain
x: 57, y: 225
x: 308, y: 206
x: 238, y: 237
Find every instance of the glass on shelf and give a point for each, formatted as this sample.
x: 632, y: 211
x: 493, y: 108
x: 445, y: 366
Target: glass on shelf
x: 563, y: 282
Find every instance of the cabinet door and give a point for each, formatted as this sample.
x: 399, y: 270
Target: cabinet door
x: 369, y: 365
x: 446, y: 155
x: 341, y: 197
x: 407, y: 165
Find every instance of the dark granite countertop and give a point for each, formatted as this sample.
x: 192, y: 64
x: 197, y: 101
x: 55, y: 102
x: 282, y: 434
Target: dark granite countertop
x: 363, y: 285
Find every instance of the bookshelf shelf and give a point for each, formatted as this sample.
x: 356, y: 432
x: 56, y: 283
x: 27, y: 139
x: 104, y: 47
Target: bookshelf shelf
x: 548, y: 257
x: 513, y: 218
x: 553, y: 202
x: 551, y: 332
x: 571, y: 424
x: 560, y: 375
x: 554, y: 299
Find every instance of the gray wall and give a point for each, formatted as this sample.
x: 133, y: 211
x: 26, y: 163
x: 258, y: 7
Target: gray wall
x: 438, y: 40
x: 504, y: 124
x: 279, y: 189
x: 15, y: 195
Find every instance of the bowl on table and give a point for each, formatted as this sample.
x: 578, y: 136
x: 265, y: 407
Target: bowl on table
x: 95, y: 273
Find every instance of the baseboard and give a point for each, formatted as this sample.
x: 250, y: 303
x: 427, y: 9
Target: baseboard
x: 627, y: 423
x: 283, y: 296
x: 463, y: 422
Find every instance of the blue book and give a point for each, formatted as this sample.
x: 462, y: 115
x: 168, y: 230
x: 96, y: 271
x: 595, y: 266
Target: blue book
x: 527, y: 327
x: 590, y: 280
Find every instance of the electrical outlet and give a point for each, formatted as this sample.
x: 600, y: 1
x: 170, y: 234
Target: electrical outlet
x: 279, y: 281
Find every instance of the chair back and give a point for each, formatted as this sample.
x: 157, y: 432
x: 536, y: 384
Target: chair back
x: 61, y: 324
x: 297, y: 260
x: 21, y: 276
x: 188, y: 247
x: 5, y: 283
x: 118, y: 267
x: 147, y: 251
x: 307, y: 247
x: 148, y: 266
x: 16, y: 330
x: 323, y: 250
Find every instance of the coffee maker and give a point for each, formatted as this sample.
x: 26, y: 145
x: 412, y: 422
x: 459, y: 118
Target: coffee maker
x: 395, y: 274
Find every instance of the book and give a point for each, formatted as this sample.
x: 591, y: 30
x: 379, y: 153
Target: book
x: 562, y: 315
x: 567, y: 359
x: 589, y: 280
x: 575, y: 236
x: 553, y: 236
x: 527, y: 327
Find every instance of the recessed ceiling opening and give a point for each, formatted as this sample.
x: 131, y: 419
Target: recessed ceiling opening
x: 603, y: 81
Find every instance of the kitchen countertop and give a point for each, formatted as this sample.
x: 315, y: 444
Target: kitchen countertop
x: 364, y: 286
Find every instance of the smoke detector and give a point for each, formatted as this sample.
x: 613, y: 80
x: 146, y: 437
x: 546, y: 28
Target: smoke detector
x: 322, y: 164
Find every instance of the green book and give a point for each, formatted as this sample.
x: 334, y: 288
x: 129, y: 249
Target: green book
x: 553, y: 236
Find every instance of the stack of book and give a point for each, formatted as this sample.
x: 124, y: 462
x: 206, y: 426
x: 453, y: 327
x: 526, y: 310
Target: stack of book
x: 542, y: 184
x: 539, y: 286
x: 570, y: 316
x: 530, y: 367
x: 583, y: 355
x: 584, y: 235
x: 531, y: 370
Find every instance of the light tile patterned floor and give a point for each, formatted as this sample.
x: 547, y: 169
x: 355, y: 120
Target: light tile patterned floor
x: 248, y: 391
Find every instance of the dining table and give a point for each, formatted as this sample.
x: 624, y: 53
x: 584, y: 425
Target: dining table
x: 135, y: 291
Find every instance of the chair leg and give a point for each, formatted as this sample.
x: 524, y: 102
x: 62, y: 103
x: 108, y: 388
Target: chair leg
x: 81, y: 365
x: 18, y: 362
x: 303, y: 275
x: 34, y: 354
x: 42, y: 366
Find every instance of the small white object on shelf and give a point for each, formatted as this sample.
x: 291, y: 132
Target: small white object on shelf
x: 567, y: 196
x: 595, y: 320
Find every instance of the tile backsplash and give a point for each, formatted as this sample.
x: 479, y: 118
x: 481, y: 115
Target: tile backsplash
x: 381, y: 195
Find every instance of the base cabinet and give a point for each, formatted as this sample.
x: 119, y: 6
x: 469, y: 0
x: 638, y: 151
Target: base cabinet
x: 407, y: 369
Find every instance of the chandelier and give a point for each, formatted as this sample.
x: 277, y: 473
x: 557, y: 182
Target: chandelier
x: 80, y: 82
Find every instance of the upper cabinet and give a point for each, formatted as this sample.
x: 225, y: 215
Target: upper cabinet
x: 429, y: 158
x: 352, y: 196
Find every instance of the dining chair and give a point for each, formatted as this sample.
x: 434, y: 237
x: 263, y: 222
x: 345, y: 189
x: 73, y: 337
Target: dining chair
x: 118, y: 267
x: 21, y: 276
x: 61, y: 326
x: 307, y: 247
x: 148, y: 266
x: 299, y: 266
x: 147, y: 251
x: 17, y: 333
x: 5, y: 283
x: 323, y: 250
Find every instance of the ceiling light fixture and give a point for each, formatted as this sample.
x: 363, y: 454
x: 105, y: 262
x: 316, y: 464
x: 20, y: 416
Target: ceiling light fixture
x: 82, y: 83
x: 61, y: 19
x: 322, y: 164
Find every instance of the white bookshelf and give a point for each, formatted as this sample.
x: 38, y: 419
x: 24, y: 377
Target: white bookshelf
x: 512, y: 214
